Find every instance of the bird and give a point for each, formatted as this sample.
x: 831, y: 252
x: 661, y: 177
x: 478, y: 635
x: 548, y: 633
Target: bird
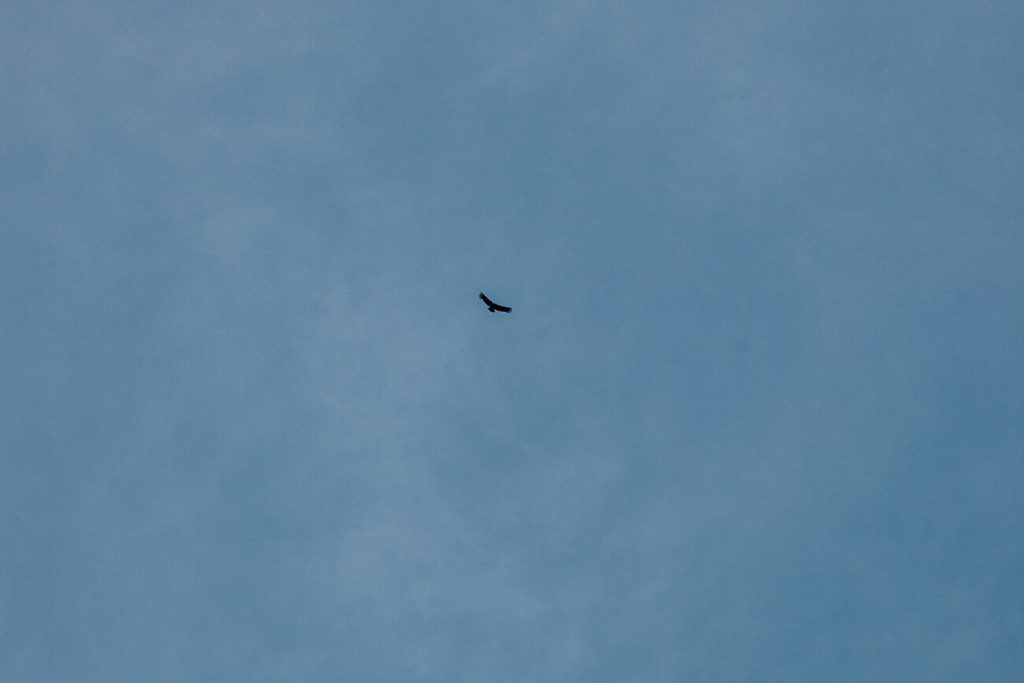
x: 492, y: 307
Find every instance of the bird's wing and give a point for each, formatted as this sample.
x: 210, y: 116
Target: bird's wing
x: 503, y: 309
x: 486, y: 300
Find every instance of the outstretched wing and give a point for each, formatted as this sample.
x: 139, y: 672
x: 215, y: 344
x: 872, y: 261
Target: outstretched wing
x: 486, y: 300
x: 503, y: 309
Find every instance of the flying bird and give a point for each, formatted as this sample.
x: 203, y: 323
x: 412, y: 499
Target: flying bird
x: 492, y: 307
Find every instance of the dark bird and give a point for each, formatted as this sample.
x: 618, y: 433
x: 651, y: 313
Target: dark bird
x: 492, y: 307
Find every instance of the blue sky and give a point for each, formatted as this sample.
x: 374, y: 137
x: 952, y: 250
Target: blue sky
x: 756, y: 414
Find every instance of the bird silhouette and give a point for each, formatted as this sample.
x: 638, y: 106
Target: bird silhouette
x: 492, y: 307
